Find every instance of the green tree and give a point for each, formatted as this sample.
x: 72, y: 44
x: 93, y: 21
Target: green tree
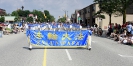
x: 40, y: 15
x: 49, y: 16
x: 99, y: 15
x: 63, y: 19
x: 26, y: 13
x: 107, y: 6
x: 16, y: 19
x: 2, y: 19
x: 52, y: 18
x: 23, y: 13
x: 122, y: 6
x: 38, y: 20
x: 20, y: 13
x: 15, y: 13
x: 30, y: 19
x: 46, y: 12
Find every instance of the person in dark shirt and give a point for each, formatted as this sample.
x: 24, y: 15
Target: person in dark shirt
x: 1, y: 31
x: 0, y: 28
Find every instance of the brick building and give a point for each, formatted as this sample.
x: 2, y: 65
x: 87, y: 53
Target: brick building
x: 2, y: 12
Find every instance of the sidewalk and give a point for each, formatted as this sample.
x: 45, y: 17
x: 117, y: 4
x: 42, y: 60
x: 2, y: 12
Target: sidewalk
x: 10, y: 35
x: 4, y: 36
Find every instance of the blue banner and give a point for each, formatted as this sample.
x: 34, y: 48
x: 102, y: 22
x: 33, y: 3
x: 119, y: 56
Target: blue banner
x: 58, y: 38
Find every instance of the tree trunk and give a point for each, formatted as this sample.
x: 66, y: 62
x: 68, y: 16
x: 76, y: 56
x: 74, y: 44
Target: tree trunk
x: 110, y: 19
x: 124, y: 16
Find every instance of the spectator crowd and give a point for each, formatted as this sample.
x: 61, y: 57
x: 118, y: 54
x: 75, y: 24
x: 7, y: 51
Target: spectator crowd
x: 121, y: 33
x: 6, y: 29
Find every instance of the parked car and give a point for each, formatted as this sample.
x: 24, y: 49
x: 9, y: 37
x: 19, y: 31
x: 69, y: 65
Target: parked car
x: 2, y: 24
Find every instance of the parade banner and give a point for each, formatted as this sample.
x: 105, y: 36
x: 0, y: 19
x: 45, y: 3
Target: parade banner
x: 58, y: 38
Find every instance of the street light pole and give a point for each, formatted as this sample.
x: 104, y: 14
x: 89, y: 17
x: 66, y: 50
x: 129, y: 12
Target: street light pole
x: 66, y: 14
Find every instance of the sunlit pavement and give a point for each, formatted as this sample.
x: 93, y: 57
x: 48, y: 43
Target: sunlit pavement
x: 105, y: 52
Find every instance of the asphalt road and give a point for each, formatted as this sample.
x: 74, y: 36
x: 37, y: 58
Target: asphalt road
x: 105, y: 52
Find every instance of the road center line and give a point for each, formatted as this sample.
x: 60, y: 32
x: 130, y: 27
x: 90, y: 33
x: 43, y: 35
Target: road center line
x: 44, y: 59
x: 69, y: 57
x: 125, y: 55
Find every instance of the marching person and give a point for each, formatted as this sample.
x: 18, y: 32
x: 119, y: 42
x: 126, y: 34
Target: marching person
x: 29, y: 28
x: 80, y: 27
x: 59, y: 26
x: 89, y: 38
x: 70, y: 26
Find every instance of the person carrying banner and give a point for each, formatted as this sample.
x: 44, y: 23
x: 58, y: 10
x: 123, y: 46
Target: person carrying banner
x: 47, y: 26
x: 62, y: 27
x: 89, y: 39
x: 43, y: 26
x: 28, y: 36
x: 80, y: 27
x: 59, y: 26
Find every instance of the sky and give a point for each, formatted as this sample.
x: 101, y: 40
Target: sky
x: 55, y: 7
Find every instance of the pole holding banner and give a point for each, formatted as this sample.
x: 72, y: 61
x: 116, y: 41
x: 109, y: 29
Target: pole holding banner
x: 89, y: 43
x: 28, y: 38
x: 30, y: 46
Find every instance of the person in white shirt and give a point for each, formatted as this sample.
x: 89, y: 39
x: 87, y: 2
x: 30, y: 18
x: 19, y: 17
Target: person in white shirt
x: 32, y: 27
x: 129, y: 28
x: 26, y: 26
x: 38, y: 26
x: 59, y: 27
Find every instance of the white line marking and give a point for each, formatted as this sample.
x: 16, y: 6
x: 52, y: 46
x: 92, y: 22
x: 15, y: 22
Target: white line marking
x: 124, y: 55
x: 69, y: 57
x: 93, y: 41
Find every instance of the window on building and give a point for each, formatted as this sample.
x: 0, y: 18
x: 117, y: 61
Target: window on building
x: 79, y: 12
x: 94, y: 8
x: 88, y: 9
x: 85, y: 10
x: 82, y: 11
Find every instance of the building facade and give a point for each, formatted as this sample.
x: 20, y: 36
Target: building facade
x: 9, y: 18
x: 104, y: 23
x: 2, y: 12
x: 73, y: 18
x: 88, y: 18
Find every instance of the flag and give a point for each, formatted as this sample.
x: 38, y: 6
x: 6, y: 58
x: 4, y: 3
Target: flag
x: 45, y: 16
x: 78, y: 14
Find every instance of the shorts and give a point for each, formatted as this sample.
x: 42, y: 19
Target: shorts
x: 128, y: 32
x: 124, y: 41
x: 120, y: 38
